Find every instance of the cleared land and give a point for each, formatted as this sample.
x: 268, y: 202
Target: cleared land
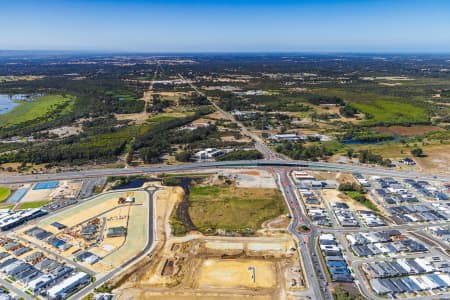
x: 89, y: 209
x: 230, y: 208
x: 193, y: 267
x: 20, y: 78
x: 233, y: 273
x: 136, y: 239
x: 335, y: 196
x: 409, y: 130
x: 143, y: 294
x: 436, y: 159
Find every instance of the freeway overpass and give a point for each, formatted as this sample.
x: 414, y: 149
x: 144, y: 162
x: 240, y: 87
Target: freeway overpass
x: 190, y: 167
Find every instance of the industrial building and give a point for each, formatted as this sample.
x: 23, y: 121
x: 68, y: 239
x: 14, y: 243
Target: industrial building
x: 10, y: 219
x: 208, y: 153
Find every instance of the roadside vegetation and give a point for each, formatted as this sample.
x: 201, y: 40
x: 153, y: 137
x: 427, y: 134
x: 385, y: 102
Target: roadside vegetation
x: 357, y: 193
x: 240, y: 155
x: 342, y: 294
x: 34, y: 204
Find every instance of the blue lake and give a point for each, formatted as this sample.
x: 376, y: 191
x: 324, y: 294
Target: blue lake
x: 8, y: 102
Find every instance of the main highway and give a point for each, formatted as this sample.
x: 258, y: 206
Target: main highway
x: 312, y: 268
x: 314, y: 271
x: 190, y: 167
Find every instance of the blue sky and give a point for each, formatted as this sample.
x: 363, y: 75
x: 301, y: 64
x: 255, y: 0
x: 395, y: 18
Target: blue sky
x: 204, y: 26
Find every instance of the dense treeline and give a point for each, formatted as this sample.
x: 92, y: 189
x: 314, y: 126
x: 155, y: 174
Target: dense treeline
x: 348, y: 111
x: 75, y: 150
x: 367, y: 157
x: 297, y: 150
x: 240, y: 155
x: 160, y: 138
x: 318, y: 99
x: 361, y: 134
x: 112, y: 142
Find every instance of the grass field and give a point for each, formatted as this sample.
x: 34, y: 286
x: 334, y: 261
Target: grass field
x: 4, y: 193
x: 383, y: 112
x: 6, y: 206
x: 34, y: 204
x: 166, y: 117
x: 231, y: 208
x: 44, y: 107
x: 386, y: 106
x: 362, y: 199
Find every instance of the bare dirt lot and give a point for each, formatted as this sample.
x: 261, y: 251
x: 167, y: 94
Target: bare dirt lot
x: 435, y: 160
x: 137, y: 293
x: 252, y: 178
x: 335, y: 196
x: 248, y: 267
x: 236, y: 273
x: 138, y: 118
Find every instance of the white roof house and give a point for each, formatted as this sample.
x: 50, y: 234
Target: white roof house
x: 67, y: 285
x: 327, y: 236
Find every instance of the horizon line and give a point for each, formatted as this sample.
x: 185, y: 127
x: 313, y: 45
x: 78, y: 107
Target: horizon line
x: 87, y: 51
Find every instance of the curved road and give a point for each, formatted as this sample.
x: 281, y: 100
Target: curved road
x: 150, y: 239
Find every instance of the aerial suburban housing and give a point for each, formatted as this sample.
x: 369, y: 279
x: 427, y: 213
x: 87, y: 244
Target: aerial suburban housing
x: 226, y: 150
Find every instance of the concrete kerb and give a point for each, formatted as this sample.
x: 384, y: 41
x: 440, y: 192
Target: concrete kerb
x: 291, y: 225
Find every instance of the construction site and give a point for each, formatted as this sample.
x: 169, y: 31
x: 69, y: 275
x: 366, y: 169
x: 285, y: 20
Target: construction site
x: 195, y: 266
x: 95, y: 233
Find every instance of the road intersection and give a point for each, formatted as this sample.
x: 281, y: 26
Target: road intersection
x: 314, y: 271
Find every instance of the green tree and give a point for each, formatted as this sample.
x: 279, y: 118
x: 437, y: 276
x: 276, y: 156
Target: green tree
x: 350, y: 153
x: 417, y: 152
x: 184, y: 156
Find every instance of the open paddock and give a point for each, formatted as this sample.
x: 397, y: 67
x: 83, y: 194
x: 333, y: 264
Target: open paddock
x: 408, y: 130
